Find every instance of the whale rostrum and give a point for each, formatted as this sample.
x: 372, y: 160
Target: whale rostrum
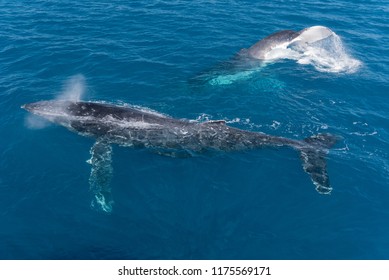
x: 136, y: 127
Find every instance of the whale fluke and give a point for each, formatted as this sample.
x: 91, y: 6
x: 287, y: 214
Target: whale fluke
x: 314, y: 160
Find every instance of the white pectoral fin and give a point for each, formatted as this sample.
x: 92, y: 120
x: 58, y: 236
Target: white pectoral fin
x: 315, y: 33
x: 101, y: 175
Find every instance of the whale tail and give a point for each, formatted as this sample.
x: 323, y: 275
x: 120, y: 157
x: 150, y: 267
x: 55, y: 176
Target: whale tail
x: 313, y: 155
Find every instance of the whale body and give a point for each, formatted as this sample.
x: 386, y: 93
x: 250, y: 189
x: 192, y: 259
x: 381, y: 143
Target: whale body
x: 285, y: 38
x: 135, y: 127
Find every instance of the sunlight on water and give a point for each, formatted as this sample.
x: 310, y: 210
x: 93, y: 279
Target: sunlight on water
x: 229, y: 79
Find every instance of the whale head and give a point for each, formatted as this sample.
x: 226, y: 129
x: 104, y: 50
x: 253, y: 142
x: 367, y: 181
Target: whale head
x: 54, y: 109
x: 89, y: 118
x: 51, y: 109
x: 80, y: 116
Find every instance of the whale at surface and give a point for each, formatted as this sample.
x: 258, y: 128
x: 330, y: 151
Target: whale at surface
x: 318, y: 46
x: 134, y: 127
x: 284, y: 39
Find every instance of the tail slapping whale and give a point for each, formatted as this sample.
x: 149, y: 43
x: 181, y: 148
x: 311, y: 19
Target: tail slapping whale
x: 134, y: 127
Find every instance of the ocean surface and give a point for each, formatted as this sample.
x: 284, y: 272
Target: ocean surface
x: 174, y: 57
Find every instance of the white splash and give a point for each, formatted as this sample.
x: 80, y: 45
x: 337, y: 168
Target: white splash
x: 73, y: 89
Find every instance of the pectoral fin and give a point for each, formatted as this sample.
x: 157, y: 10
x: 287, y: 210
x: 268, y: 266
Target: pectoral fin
x: 101, y: 175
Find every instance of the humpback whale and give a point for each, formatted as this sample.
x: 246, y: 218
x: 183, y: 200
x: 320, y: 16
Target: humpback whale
x: 136, y: 127
x: 315, y: 45
x: 285, y: 39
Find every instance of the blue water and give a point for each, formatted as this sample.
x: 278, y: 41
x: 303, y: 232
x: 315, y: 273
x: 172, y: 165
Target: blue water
x: 242, y: 205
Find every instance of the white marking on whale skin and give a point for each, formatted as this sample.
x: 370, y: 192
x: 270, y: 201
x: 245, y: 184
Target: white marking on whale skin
x: 137, y: 107
x: 149, y: 111
x: 272, y: 53
x: 128, y: 123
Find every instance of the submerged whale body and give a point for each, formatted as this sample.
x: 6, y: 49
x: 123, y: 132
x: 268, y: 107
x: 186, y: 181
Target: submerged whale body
x: 318, y: 46
x: 134, y: 127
